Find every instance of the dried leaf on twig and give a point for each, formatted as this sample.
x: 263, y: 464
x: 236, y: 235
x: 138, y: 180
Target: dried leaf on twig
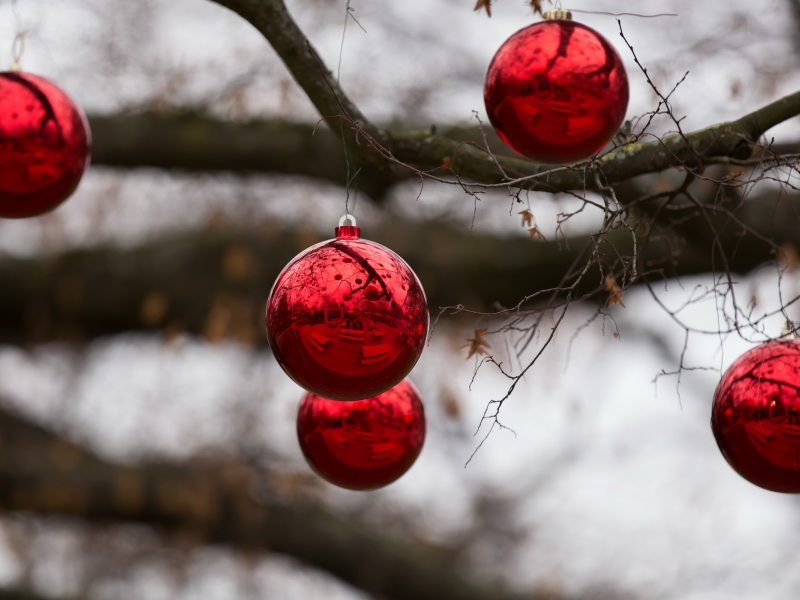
x: 534, y: 231
x: 477, y: 344
x: 537, y: 6
x: 616, y: 292
x: 790, y: 259
x: 487, y: 4
x: 527, y: 217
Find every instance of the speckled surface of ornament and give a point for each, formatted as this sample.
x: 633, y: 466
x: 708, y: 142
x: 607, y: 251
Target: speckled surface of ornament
x: 347, y: 319
x: 44, y: 145
x: 363, y: 444
x: 556, y: 91
x: 756, y: 416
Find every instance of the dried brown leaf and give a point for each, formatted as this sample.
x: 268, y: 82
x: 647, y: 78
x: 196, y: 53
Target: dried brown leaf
x: 477, y: 344
x: 790, y: 259
x: 537, y: 6
x: 487, y: 4
x: 450, y: 404
x: 615, y: 292
x: 154, y: 308
x: 534, y: 231
x: 230, y: 317
x: 238, y: 263
x: 527, y: 217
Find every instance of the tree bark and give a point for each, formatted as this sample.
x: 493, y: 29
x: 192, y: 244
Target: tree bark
x: 193, y: 142
x: 196, y: 142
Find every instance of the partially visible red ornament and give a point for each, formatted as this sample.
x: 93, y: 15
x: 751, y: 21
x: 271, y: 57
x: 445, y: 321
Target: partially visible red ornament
x: 44, y: 145
x: 556, y: 91
x: 756, y: 416
x: 347, y: 319
x: 363, y: 444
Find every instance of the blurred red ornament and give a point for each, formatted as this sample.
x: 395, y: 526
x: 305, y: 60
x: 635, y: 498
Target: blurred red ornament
x: 756, y: 416
x: 363, y: 444
x: 347, y: 319
x: 44, y: 145
x: 556, y: 91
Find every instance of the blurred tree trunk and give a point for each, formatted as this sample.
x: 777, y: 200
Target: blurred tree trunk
x: 216, y: 283
x: 794, y: 5
x: 215, y: 503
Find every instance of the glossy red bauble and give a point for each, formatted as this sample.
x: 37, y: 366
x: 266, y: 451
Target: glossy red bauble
x: 44, y: 145
x: 363, y: 444
x: 756, y: 416
x: 556, y: 91
x: 347, y: 319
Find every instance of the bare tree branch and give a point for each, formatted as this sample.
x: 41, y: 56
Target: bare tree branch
x: 195, y: 142
x: 426, y: 150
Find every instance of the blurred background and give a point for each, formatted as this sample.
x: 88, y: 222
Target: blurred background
x: 147, y: 441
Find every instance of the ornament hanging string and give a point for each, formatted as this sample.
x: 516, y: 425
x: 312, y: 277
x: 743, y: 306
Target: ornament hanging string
x: 18, y: 45
x: 349, y: 10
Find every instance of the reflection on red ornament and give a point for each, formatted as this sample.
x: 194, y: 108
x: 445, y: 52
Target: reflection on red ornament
x: 44, y: 145
x: 347, y: 319
x: 756, y: 416
x: 363, y: 444
x: 556, y: 91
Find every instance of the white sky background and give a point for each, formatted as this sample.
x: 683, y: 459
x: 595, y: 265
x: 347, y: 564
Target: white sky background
x: 613, y: 484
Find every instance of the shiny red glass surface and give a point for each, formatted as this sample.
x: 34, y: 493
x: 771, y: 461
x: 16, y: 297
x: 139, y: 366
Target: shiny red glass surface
x: 363, y: 444
x: 756, y: 416
x: 556, y: 91
x: 347, y: 319
x: 44, y: 145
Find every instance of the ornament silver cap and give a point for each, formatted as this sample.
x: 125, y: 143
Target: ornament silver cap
x: 558, y: 13
x: 789, y: 331
x: 347, y: 232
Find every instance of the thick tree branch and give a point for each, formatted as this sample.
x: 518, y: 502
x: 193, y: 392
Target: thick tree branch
x: 426, y: 150
x: 196, y: 142
x: 275, y: 23
x: 42, y: 473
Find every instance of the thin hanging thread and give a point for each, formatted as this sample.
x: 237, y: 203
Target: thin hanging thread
x: 349, y: 10
x: 18, y: 45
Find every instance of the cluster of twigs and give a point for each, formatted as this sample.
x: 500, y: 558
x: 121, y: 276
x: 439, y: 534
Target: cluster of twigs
x: 603, y: 270
x: 640, y: 237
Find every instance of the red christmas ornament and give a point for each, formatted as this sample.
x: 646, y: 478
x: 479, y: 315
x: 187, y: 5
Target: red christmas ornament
x: 556, y: 91
x: 756, y: 416
x: 44, y: 145
x: 363, y: 444
x: 347, y: 319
